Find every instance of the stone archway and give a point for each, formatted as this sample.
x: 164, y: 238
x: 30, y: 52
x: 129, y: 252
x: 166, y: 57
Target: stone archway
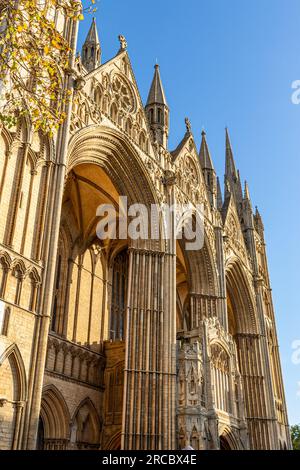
x: 85, y: 427
x: 115, y: 442
x: 197, y: 304
x: 228, y: 440
x: 224, y: 444
x: 54, y: 430
x: 98, y: 150
x: 13, y: 393
x: 244, y: 328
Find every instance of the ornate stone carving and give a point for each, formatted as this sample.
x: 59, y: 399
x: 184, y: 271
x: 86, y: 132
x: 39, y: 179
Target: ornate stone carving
x: 123, y: 43
x: 122, y: 94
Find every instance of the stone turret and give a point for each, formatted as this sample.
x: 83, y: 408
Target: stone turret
x: 91, y: 49
x: 158, y: 111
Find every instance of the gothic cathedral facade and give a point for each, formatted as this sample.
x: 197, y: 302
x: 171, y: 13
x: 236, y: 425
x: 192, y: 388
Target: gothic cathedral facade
x: 129, y: 344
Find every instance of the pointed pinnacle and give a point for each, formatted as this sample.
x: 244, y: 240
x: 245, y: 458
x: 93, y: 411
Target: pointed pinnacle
x: 204, y: 154
x: 156, y: 93
x: 247, y: 192
x: 230, y: 164
x: 92, y: 36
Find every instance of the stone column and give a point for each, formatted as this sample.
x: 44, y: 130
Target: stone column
x: 54, y: 205
x: 256, y: 390
x: 150, y: 361
x: 203, y: 306
x: 271, y: 410
x: 222, y: 307
x: 211, y: 426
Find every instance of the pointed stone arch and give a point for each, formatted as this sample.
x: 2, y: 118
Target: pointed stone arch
x: 115, y: 442
x: 110, y: 150
x: 202, y: 296
x: 13, y: 395
x: 24, y: 127
x: 241, y: 305
x: 13, y: 353
x: 5, y: 259
x: 202, y: 272
x: 5, y: 263
x: 240, y: 295
x: 228, y: 439
x: 86, y: 425
x: 55, y: 417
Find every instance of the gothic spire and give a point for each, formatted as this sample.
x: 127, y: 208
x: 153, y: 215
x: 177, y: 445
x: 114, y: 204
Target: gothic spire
x: 230, y: 170
x: 232, y: 176
x: 247, y: 192
x: 208, y: 170
x: 157, y: 110
x: 156, y: 93
x: 91, y: 49
x: 204, y: 155
x: 259, y: 223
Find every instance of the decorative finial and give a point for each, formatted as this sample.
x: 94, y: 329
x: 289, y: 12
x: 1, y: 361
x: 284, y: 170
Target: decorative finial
x: 123, y: 43
x: 203, y: 133
x: 188, y: 125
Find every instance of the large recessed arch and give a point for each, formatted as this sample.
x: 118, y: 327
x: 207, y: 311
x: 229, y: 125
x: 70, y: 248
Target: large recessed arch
x: 241, y: 303
x: 201, y: 269
x: 228, y: 440
x: 12, y: 353
x: 54, y: 414
x: 86, y: 425
x: 196, y: 278
x: 111, y: 151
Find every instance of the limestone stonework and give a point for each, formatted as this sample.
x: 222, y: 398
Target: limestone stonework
x: 123, y: 344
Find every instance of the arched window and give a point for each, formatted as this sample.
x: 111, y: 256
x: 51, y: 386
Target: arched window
x: 118, y: 298
x: 151, y: 114
x: 114, y: 112
x: 159, y: 120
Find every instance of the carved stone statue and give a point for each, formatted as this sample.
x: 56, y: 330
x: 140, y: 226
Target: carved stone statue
x: 188, y: 125
x: 123, y: 43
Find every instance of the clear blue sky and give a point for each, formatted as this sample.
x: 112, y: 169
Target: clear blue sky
x: 231, y: 63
